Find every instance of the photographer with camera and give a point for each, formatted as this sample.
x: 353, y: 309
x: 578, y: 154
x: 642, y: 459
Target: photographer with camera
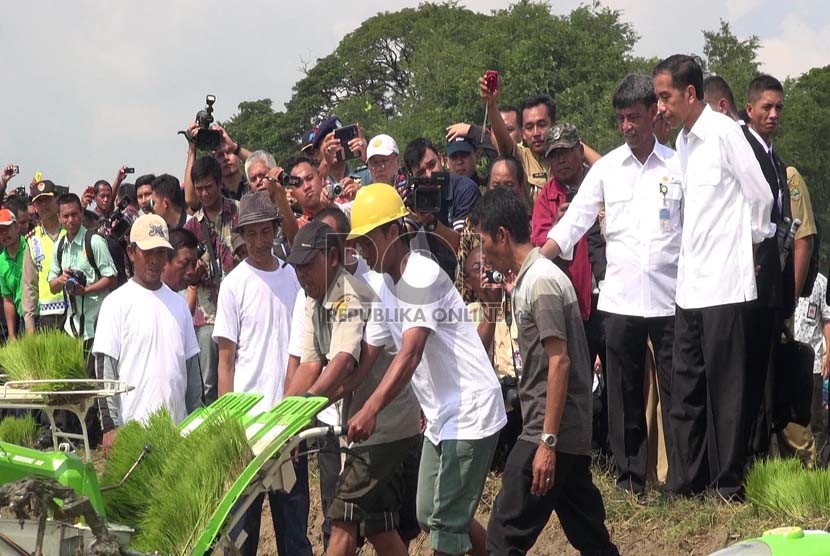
x: 264, y: 174
x: 42, y: 309
x: 333, y: 144
x: 83, y: 268
x: 310, y: 192
x: 439, y: 202
x: 144, y: 193
x: 10, y: 171
x: 213, y: 226
x: 204, y: 134
x: 101, y: 194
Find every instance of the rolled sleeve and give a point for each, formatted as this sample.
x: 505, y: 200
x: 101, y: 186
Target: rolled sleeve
x: 347, y: 328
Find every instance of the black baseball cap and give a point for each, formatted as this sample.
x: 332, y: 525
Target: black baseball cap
x: 326, y: 126
x: 312, y: 238
x: 461, y: 144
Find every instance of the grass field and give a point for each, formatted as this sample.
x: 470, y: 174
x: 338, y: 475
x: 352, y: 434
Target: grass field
x: 654, y: 526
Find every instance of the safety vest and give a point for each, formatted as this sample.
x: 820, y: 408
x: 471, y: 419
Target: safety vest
x: 41, y: 247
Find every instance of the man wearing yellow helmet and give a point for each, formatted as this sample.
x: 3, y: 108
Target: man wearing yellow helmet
x: 451, y: 375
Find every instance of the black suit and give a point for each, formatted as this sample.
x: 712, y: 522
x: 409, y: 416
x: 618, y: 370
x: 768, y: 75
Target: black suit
x: 776, y: 302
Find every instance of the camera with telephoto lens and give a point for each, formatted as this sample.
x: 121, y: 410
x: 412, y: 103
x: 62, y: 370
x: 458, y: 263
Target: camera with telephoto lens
x: 422, y: 194
x: 119, y: 222
x: 76, y: 280
x: 334, y: 190
x: 207, y: 139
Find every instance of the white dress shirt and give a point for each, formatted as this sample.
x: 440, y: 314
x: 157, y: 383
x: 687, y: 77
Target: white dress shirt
x: 641, y: 247
x: 726, y: 208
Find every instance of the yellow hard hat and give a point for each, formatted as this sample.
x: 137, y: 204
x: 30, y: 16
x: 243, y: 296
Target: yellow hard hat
x: 374, y: 206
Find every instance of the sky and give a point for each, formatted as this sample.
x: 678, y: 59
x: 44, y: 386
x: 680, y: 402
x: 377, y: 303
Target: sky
x: 90, y: 86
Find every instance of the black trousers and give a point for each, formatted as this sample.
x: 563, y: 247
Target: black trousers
x: 626, y: 339
x: 763, y: 333
x: 518, y: 516
x: 707, y: 413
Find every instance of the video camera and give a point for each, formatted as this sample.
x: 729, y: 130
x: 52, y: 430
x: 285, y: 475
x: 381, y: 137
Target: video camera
x: 119, y: 222
x: 422, y: 194
x: 207, y: 138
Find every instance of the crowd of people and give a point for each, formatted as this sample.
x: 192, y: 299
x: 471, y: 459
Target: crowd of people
x: 513, y: 302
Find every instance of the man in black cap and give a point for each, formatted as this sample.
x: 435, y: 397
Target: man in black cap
x: 346, y: 354
x: 462, y: 159
x: 253, y: 323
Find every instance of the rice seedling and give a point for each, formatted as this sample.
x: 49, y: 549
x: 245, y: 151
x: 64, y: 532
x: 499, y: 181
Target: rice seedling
x: 47, y: 355
x: 783, y: 487
x: 195, y: 477
x: 19, y: 430
x: 127, y: 503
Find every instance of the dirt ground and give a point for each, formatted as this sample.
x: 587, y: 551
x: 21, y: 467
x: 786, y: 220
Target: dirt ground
x: 686, y: 528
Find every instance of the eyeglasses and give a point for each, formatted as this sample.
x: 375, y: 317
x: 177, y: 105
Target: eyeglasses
x: 380, y: 163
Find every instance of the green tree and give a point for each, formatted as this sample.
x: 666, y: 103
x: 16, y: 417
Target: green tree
x: 802, y: 140
x: 733, y: 59
x: 412, y: 72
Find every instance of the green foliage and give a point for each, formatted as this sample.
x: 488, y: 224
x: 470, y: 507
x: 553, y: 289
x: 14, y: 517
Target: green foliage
x: 733, y: 59
x: 802, y: 140
x: 45, y: 355
x: 21, y: 431
x: 195, y: 476
x: 783, y: 487
x: 413, y: 72
x: 129, y: 502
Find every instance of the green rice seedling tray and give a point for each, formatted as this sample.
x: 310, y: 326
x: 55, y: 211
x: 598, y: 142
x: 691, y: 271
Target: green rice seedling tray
x: 236, y: 405
x: 269, y: 435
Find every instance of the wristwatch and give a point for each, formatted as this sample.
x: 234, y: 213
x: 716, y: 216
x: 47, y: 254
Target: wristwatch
x: 549, y: 440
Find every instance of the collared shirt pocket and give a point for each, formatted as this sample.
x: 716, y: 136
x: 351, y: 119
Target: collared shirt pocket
x: 618, y: 213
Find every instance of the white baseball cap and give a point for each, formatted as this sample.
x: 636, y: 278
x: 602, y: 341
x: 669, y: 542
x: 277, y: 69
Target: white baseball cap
x: 150, y: 232
x: 383, y: 145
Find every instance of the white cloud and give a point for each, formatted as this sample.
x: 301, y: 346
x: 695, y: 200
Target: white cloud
x: 798, y: 48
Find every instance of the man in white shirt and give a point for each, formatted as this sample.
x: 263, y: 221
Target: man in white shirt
x: 449, y: 370
x: 638, y: 184
x: 146, y: 338
x: 726, y: 211
x: 253, y: 323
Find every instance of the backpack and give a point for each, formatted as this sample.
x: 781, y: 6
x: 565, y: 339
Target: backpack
x: 119, y: 258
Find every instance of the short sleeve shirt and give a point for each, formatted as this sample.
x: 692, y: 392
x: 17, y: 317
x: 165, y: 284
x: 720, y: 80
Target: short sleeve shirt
x: 74, y: 257
x: 340, y: 324
x: 800, y: 204
x: 545, y: 306
x: 11, y: 274
x: 810, y: 315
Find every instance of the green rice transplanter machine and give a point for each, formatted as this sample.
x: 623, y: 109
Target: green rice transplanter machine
x: 27, y: 474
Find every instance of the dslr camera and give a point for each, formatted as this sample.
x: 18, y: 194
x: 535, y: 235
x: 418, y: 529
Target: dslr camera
x: 422, y: 194
x: 207, y: 139
x: 119, y: 221
x: 77, y: 279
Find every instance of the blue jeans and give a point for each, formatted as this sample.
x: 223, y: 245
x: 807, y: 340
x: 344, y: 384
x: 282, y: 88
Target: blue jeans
x: 289, y: 514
